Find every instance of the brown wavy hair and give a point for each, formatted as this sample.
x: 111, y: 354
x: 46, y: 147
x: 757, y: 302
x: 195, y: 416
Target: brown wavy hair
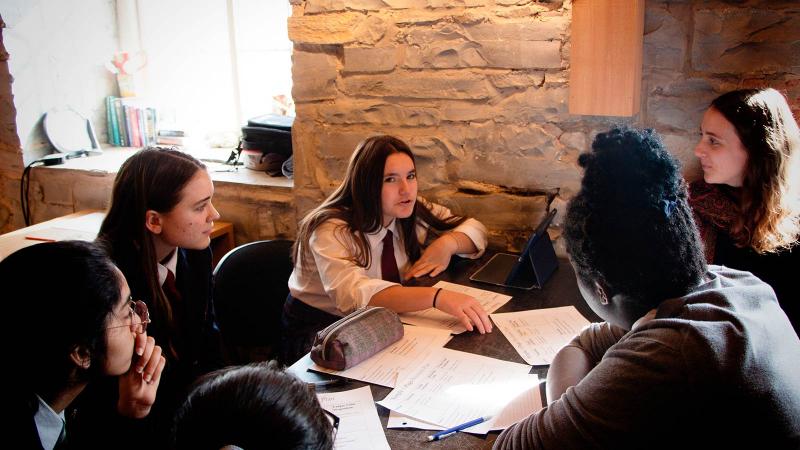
x: 153, y: 178
x: 357, y: 202
x: 768, y: 219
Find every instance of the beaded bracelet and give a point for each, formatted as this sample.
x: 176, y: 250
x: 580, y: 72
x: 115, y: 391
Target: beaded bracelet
x: 436, y: 295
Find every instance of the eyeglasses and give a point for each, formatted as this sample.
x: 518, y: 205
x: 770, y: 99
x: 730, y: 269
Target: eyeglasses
x: 334, y: 420
x: 138, y: 315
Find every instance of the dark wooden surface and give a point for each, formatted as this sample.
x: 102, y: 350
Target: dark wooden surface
x: 560, y: 290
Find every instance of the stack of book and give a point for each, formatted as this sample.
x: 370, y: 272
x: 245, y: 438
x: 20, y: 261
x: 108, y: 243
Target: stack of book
x: 130, y: 123
x: 171, y: 137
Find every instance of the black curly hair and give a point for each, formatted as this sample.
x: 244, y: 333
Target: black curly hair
x: 630, y: 226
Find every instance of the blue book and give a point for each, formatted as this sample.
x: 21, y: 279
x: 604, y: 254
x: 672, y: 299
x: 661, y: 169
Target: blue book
x: 113, y: 128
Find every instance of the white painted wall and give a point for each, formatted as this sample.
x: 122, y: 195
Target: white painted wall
x: 57, y: 50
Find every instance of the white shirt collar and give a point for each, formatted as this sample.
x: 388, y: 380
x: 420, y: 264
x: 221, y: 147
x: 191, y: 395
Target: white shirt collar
x: 49, y: 424
x: 376, y: 237
x: 170, y: 265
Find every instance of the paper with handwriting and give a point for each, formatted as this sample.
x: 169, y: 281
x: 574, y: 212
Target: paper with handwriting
x: 538, y: 334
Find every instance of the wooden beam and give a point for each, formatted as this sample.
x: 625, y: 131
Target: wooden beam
x: 606, y: 57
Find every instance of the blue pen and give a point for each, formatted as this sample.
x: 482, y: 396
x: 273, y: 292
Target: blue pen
x: 451, y: 431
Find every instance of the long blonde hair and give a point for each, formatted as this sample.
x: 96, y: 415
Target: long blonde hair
x: 769, y: 209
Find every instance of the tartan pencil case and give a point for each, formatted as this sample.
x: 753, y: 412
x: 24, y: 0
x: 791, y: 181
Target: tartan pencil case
x: 356, y: 337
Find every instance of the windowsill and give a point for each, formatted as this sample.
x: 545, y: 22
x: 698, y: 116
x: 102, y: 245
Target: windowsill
x: 112, y: 158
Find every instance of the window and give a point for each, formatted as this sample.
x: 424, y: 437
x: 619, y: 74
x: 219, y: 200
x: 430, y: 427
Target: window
x: 213, y: 64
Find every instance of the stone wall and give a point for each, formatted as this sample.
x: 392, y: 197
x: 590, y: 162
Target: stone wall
x: 10, y: 149
x: 256, y: 211
x: 479, y: 90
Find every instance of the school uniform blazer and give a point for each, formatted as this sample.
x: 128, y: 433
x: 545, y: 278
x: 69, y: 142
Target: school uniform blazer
x: 199, y: 351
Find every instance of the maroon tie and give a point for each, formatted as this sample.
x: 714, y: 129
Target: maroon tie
x: 389, y: 270
x: 171, y: 289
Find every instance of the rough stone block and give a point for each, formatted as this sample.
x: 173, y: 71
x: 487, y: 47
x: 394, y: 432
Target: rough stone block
x: 381, y: 59
x: 51, y: 188
x: 681, y: 146
x: 342, y: 28
x: 523, y: 11
x: 746, y: 40
x: 447, y: 85
x: 406, y: 4
x: 379, y: 113
x: 551, y: 28
x: 449, y: 46
x: 433, y: 33
x: 338, y: 144
x: 546, y: 104
x: 456, y: 3
x: 517, y: 79
x: 444, y: 55
x: 516, y: 156
x: 323, y: 6
x: 666, y: 35
x: 314, y: 76
x: 521, y: 54
x: 467, y: 111
x: 499, y: 211
x: 575, y: 140
x: 680, y: 104
x: 92, y: 192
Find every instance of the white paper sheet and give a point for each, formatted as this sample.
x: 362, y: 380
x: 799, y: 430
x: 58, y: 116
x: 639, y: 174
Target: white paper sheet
x: 82, y: 228
x: 538, y: 334
x: 359, y: 425
x: 433, y: 318
x: 529, y: 402
x: 397, y: 420
x: 53, y: 234
x: 450, y: 387
x: 383, y: 367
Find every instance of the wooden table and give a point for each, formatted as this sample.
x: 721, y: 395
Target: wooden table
x: 84, y: 225
x: 560, y: 290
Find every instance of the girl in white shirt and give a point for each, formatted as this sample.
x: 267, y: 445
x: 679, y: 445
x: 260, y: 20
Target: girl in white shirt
x: 338, y: 254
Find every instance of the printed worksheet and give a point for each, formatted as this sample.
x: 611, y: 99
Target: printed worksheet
x: 539, y: 334
x: 451, y: 387
x: 384, y: 367
x: 529, y: 402
x: 359, y: 425
x: 433, y: 318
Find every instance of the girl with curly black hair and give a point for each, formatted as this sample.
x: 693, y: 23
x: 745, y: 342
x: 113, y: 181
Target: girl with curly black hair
x: 687, y: 350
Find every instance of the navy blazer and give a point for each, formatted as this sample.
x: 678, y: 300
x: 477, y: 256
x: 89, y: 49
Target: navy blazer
x: 199, y: 349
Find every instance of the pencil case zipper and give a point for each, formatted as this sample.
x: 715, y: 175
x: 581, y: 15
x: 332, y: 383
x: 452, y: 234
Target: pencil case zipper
x: 331, y: 329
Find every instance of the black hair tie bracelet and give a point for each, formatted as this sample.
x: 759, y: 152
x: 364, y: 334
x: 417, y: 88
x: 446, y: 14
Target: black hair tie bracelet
x: 436, y: 295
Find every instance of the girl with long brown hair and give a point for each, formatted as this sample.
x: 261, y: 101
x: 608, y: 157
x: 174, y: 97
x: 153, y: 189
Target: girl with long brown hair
x: 747, y: 206
x: 354, y: 249
x: 157, y: 230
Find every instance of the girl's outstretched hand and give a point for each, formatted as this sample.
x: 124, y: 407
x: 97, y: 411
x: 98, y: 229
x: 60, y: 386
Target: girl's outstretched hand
x: 466, y: 309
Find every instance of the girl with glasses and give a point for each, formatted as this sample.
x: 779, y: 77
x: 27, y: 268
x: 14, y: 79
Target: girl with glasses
x: 157, y: 230
x: 69, y: 324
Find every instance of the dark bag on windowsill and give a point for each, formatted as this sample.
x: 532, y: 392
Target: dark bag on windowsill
x: 356, y: 337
